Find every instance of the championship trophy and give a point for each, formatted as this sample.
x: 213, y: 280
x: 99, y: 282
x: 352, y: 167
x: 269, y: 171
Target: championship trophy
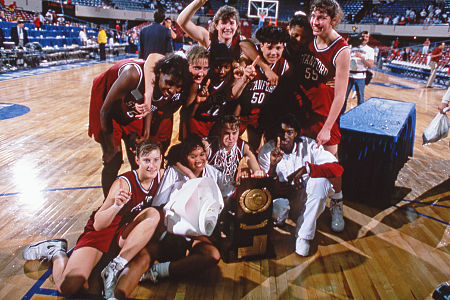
x: 247, y: 220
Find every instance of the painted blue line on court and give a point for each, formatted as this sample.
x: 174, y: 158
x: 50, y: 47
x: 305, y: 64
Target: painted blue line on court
x: 430, y: 204
x: 423, y: 215
x: 57, y: 189
x: 37, y: 286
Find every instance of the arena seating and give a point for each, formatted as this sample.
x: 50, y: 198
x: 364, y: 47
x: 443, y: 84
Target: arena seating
x: 50, y: 35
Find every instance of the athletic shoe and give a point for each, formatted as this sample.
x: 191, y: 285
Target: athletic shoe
x: 151, y: 275
x: 337, y: 219
x: 44, y: 250
x: 110, y: 274
x: 302, y: 247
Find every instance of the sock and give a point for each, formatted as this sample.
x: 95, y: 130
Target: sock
x: 58, y: 253
x: 337, y: 196
x: 162, y: 269
x: 121, y: 262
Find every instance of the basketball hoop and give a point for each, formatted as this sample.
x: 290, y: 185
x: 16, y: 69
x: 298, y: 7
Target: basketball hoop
x: 262, y: 14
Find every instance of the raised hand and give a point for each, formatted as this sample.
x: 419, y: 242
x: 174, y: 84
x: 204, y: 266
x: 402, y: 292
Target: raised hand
x: 277, y: 154
x: 250, y: 71
x: 122, y: 196
x: 203, y: 94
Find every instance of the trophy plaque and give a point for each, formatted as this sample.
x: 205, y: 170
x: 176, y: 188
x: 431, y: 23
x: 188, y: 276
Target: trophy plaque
x: 247, y: 222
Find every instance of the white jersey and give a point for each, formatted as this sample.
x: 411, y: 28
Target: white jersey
x: 173, y: 179
x: 305, y: 151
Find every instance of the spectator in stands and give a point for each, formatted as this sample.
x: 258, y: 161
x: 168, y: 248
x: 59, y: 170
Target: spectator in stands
x: 2, y: 16
x: 155, y: 38
x: 19, y: 35
x: 102, y: 40
x: 54, y: 16
x: 426, y: 46
x: 37, y: 21
x: 61, y: 20
x: 83, y: 37
x: 423, y: 15
x: 436, y: 56
x: 49, y: 16
x: 406, y: 54
x: 361, y: 59
x: 12, y: 6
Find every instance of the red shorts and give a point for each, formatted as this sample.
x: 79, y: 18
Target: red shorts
x: 316, y: 123
x: 200, y: 128
x: 161, y: 129
x: 100, y: 240
x: 119, y: 130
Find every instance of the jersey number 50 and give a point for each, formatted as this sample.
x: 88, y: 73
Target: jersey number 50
x: 258, y: 98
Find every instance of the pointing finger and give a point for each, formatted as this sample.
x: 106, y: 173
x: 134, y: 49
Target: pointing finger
x: 255, y: 61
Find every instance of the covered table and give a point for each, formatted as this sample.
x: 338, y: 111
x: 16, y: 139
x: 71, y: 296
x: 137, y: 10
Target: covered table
x: 377, y: 139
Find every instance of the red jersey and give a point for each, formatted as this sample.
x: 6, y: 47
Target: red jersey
x: 258, y: 90
x: 315, y: 67
x: 436, y: 51
x: 140, y: 199
x: 123, y: 112
x: 217, y: 104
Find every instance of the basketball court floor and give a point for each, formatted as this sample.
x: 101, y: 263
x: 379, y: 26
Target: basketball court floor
x: 50, y: 184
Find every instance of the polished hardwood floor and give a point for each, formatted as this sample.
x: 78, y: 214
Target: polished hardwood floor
x: 50, y: 173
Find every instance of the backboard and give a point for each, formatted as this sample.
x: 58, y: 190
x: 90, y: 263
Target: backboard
x: 255, y: 7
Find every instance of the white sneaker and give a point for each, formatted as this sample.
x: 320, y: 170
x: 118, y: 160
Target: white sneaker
x: 110, y: 275
x: 337, y: 219
x: 44, y: 250
x: 151, y: 275
x: 302, y: 247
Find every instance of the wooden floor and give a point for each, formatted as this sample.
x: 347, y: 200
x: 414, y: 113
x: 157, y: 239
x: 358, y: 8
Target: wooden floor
x: 50, y: 173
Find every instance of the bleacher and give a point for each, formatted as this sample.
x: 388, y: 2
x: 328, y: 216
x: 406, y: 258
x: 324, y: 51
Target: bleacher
x: 49, y: 35
x: 395, y: 8
x: 351, y: 8
x: 417, y: 67
x: 94, y: 3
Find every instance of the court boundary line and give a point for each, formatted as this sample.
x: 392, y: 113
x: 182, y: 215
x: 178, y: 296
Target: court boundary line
x: 36, y: 289
x: 56, y: 189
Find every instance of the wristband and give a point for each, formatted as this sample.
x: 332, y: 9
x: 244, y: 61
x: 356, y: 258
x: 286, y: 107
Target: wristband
x: 118, y: 206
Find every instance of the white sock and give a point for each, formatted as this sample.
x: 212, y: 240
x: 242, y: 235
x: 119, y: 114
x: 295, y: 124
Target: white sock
x: 337, y: 196
x: 162, y: 269
x: 121, y: 262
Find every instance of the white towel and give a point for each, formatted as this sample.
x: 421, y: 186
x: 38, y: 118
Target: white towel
x: 193, y: 208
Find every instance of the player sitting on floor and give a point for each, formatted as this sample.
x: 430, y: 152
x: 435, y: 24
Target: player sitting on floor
x: 308, y: 164
x: 125, y: 214
x: 203, y: 253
